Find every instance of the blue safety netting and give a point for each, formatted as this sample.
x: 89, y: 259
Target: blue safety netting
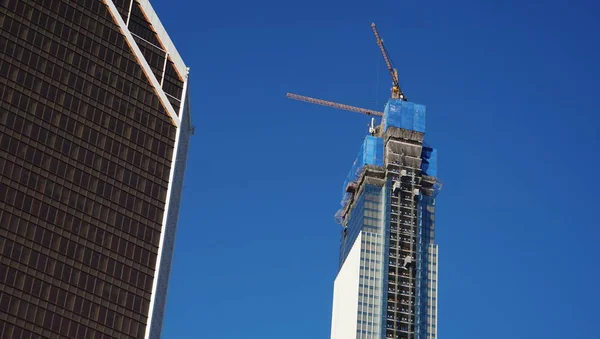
x: 404, y: 114
x: 371, y: 153
x: 429, y: 163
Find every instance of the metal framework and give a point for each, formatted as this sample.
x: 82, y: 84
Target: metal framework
x: 334, y: 105
x: 396, y: 90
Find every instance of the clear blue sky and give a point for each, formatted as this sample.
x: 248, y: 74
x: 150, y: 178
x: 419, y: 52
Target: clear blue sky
x: 511, y: 93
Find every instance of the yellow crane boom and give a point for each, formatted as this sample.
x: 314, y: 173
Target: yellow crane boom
x: 334, y: 105
x: 396, y: 91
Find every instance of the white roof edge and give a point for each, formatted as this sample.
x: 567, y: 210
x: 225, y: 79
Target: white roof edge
x: 164, y: 37
x: 137, y: 53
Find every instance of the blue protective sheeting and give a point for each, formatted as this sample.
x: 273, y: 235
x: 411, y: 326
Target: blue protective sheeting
x: 404, y: 114
x: 429, y: 163
x: 370, y: 153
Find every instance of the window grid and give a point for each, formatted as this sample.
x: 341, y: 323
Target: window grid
x: 85, y: 154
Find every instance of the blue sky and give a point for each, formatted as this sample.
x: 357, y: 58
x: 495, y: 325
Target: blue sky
x: 510, y: 88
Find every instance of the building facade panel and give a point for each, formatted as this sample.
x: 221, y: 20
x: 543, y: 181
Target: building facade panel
x: 86, y: 153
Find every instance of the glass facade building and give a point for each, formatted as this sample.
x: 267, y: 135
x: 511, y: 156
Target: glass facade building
x: 386, y: 285
x: 94, y: 131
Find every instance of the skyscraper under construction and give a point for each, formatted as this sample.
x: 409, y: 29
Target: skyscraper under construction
x: 94, y: 131
x: 386, y: 285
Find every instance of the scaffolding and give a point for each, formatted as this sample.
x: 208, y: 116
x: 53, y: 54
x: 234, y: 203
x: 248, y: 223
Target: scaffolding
x: 402, y: 159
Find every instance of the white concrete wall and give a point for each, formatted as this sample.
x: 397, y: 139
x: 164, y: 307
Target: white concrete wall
x: 345, y: 295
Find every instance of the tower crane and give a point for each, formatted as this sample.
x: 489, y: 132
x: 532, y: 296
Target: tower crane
x: 396, y: 90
